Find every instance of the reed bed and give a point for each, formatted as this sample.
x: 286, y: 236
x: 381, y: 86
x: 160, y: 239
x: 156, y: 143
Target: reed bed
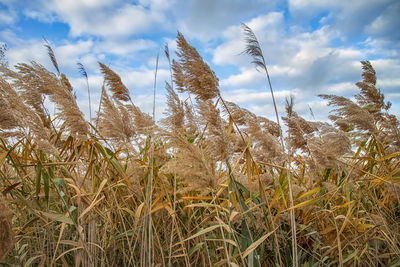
x: 211, y: 184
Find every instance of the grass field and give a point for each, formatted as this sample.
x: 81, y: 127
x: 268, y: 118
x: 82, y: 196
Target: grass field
x: 212, y: 184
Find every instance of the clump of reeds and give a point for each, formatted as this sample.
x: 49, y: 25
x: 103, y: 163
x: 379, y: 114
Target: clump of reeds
x: 212, y: 184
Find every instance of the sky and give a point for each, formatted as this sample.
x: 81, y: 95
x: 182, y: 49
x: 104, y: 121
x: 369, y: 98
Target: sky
x: 311, y: 47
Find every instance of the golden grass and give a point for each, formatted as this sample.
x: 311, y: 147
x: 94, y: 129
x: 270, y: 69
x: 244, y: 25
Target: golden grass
x: 211, y: 185
x: 6, y: 233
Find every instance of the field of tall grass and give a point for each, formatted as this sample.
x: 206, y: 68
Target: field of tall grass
x: 211, y: 184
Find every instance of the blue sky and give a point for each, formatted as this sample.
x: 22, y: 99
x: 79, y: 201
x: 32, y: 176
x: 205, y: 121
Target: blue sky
x: 311, y: 46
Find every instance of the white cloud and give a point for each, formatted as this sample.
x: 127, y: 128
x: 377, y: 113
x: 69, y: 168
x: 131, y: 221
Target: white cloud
x: 124, y: 47
x: 68, y: 54
x: 229, y: 52
x: 301, y: 63
x: 268, y: 29
x: 107, y: 18
x: 157, y: 4
x: 98, y: 17
x: 308, y: 8
x: 143, y: 79
x: 10, y: 37
x: 246, y: 77
x: 386, y: 67
x: 7, y: 17
x: 245, y: 96
x: 145, y: 103
x: 386, y: 23
x: 162, y: 61
x: 294, y: 59
x: 140, y: 97
x: 395, y: 82
x: 80, y: 87
x: 206, y: 19
x: 30, y: 51
x: 278, y: 70
x: 269, y: 21
x: 340, y: 88
x: 348, y: 17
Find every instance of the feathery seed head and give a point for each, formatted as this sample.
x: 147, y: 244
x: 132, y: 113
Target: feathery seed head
x: 115, y: 84
x: 192, y: 74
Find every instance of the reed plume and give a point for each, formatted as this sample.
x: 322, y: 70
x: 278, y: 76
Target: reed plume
x: 215, y: 129
x: 349, y: 115
x: 192, y: 74
x: 25, y: 82
x: 327, y: 148
x: 65, y: 101
x: 391, y: 134
x: 253, y: 49
x: 83, y: 72
x: 52, y: 55
x: 21, y: 120
x: 263, y: 133
x: 8, y: 121
x: 3, y: 58
x: 193, y: 165
x: 35, y: 81
x: 114, y: 83
x: 118, y: 120
x: 175, y: 115
x: 370, y: 97
x: 115, y: 121
x: 368, y: 113
x: 143, y: 122
x: 299, y: 130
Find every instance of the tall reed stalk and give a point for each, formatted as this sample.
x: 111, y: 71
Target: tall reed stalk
x: 253, y: 48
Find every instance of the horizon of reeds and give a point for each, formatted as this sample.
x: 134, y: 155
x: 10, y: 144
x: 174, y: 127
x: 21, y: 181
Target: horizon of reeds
x: 211, y: 184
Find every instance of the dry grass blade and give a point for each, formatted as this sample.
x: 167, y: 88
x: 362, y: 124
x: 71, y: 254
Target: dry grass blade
x: 254, y: 245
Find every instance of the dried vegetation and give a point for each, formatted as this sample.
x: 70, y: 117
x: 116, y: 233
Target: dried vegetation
x: 211, y: 184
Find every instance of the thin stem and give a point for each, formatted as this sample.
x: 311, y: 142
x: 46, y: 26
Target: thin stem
x: 90, y: 105
x: 292, y: 215
x: 150, y: 179
x: 253, y: 49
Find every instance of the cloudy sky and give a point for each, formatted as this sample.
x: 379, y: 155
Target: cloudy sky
x: 311, y: 46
